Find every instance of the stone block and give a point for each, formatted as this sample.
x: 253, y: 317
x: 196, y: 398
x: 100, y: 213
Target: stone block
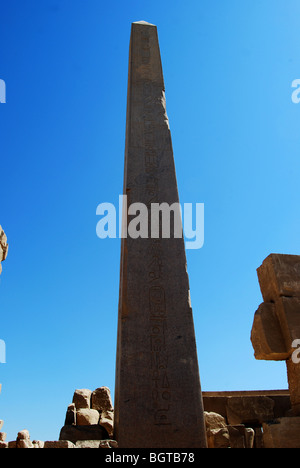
x: 3, y: 444
x: 109, y: 443
x: 282, y: 433
x: 107, y: 421
x: 288, y: 313
x: 293, y: 374
x: 89, y: 432
x: 279, y: 275
x: 249, y: 410
x: 214, y: 420
x: 101, y: 399
x: 23, y: 439
x: 218, y: 438
x: 71, y: 415
x: 3, y: 247
x: 85, y: 416
x: 82, y: 398
x: 216, y: 431
x: 249, y: 437
x: 23, y: 435
x: 237, y: 436
x: 88, y: 444
x: 2, y: 436
x: 38, y: 444
x: 96, y: 444
x: 66, y: 444
x: 266, y: 335
x: 24, y: 444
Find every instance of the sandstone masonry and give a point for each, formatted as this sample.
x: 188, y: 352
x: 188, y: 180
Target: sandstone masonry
x: 88, y: 424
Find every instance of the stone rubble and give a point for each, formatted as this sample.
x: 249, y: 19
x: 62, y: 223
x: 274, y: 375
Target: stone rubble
x: 266, y: 419
x: 220, y: 434
x: 88, y: 424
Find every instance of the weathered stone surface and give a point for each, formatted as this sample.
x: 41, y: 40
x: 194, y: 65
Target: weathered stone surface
x: 101, y: 399
x: 249, y: 409
x: 88, y: 444
x: 157, y: 363
x: 1, y: 420
x: 282, y: 433
x: 70, y: 415
x: 3, y: 245
x: 293, y: 375
x: 217, y: 401
x: 279, y: 275
x: 107, y: 421
x: 96, y: 444
x: 249, y: 437
x: 218, y: 438
x: 258, y: 438
x: 214, y: 420
x: 3, y: 444
x: 276, y: 326
x: 237, y: 436
x: 66, y: 444
x: 85, y: 416
x: 82, y: 398
x: 216, y: 430
x: 2, y: 436
x: 288, y: 313
x: 75, y: 433
x: 23, y: 435
x: 38, y: 443
x: 221, y: 435
x: 23, y: 440
x: 24, y: 443
x: 266, y: 335
x: 112, y: 443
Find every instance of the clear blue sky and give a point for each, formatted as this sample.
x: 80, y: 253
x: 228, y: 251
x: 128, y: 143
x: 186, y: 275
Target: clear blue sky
x: 228, y: 68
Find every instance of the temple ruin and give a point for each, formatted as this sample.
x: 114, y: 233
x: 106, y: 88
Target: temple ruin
x: 158, y: 397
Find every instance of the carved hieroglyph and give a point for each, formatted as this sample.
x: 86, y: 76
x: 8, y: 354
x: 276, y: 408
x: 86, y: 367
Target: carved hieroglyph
x: 158, y: 401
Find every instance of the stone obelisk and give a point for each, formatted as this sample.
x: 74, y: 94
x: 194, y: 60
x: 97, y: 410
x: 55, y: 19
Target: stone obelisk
x: 158, y: 400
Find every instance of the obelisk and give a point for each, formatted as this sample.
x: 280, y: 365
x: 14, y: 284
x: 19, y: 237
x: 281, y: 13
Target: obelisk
x: 158, y: 400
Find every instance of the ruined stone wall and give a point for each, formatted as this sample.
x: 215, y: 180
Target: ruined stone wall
x: 88, y: 424
x: 240, y: 419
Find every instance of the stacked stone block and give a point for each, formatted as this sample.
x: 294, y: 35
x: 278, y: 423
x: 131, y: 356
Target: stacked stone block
x: 276, y: 325
x: 275, y: 335
x: 88, y: 424
x: 90, y: 416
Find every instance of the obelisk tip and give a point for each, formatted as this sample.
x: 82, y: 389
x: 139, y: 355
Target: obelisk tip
x: 144, y: 23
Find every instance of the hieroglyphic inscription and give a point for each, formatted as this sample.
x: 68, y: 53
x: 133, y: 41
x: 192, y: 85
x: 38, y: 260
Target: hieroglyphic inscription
x: 161, y: 392
x: 145, y: 49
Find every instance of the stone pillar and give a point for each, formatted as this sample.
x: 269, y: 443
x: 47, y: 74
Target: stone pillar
x: 158, y: 400
x: 3, y: 247
x: 277, y: 321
